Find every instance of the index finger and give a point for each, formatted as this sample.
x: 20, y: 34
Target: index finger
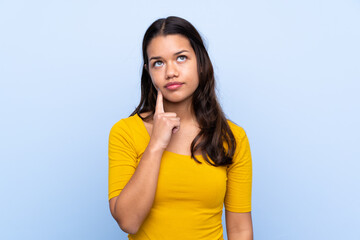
x: 159, y: 108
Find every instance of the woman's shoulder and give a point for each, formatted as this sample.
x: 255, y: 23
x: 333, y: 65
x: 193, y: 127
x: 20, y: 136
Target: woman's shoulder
x: 236, y: 129
x: 126, y: 123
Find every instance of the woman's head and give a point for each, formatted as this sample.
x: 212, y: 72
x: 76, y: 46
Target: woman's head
x: 172, y: 67
x: 172, y: 26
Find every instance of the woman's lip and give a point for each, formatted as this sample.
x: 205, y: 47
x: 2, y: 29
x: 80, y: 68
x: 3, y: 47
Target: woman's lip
x: 174, y: 86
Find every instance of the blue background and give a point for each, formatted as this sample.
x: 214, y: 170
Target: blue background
x: 287, y: 71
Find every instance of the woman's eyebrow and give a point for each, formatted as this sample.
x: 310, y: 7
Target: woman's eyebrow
x: 177, y: 53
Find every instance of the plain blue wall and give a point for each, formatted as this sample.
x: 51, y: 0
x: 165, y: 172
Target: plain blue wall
x: 287, y: 71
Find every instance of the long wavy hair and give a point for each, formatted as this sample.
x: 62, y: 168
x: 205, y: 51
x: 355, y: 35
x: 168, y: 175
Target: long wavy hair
x: 214, y: 128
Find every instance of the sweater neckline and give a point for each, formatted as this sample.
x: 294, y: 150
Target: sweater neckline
x: 141, y: 122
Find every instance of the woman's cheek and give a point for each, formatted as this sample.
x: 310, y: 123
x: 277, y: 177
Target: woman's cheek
x: 154, y: 81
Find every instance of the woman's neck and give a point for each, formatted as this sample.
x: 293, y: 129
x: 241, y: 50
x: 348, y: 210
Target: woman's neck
x: 183, y: 110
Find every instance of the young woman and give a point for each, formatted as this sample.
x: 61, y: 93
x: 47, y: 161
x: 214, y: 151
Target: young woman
x: 176, y: 160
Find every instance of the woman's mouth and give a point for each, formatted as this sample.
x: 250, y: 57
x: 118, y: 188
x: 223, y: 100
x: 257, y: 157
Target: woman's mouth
x: 173, y: 86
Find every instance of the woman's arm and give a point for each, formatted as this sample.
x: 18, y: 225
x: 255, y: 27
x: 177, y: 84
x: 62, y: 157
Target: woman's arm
x: 133, y: 204
x: 239, y: 226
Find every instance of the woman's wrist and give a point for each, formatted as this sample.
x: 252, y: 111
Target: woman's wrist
x: 154, y: 148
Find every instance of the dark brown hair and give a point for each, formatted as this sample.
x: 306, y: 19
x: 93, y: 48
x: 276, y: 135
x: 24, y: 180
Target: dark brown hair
x: 214, y: 129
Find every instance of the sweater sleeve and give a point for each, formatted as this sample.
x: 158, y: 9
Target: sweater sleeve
x: 239, y: 173
x: 122, y: 158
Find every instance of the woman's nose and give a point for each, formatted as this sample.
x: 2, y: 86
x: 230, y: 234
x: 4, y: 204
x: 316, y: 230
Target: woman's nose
x: 171, y: 70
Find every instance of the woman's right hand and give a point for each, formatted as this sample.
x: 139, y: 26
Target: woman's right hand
x: 164, y: 125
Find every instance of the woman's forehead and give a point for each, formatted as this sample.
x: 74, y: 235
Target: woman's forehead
x: 168, y: 45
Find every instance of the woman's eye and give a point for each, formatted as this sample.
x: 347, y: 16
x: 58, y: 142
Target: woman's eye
x: 157, y: 64
x: 182, y: 58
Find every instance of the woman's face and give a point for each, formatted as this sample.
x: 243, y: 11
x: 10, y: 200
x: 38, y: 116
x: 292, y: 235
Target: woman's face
x: 173, y: 67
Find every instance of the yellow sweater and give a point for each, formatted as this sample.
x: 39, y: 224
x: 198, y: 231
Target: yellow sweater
x: 190, y: 196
